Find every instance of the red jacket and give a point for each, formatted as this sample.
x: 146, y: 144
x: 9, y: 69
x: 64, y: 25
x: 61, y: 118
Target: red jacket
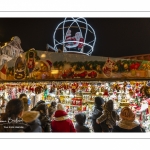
x: 62, y: 123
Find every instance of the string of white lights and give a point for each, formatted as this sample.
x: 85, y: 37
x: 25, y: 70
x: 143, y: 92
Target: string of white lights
x: 76, y: 21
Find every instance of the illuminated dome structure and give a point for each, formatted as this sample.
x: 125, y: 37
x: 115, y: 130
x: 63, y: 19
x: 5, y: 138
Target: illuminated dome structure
x: 75, y: 36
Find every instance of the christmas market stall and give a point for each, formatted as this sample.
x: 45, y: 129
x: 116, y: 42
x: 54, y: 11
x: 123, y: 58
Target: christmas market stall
x: 76, y: 79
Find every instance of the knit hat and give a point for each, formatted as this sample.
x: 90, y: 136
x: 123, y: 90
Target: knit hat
x: 60, y: 106
x: 99, y: 101
x: 127, y: 114
x: 80, y: 118
x: 30, y: 116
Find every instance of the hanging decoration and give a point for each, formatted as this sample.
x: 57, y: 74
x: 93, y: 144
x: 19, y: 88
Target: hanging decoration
x: 108, y: 67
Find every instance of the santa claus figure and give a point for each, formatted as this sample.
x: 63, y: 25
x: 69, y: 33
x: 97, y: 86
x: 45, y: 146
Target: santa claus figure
x: 74, y: 42
x: 69, y: 40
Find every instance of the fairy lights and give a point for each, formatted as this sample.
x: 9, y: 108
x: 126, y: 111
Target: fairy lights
x: 79, y: 43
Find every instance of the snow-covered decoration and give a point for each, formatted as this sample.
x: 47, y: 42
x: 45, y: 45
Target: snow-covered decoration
x: 76, y: 36
x: 10, y: 50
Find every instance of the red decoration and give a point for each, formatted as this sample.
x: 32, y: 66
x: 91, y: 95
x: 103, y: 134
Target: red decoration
x: 134, y: 66
x: 31, y: 63
x: 74, y: 87
x: 82, y: 75
x: 148, y: 101
x: 105, y: 93
x: 77, y: 101
x: 92, y: 74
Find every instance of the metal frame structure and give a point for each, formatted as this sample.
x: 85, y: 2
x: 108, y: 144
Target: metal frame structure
x: 76, y: 21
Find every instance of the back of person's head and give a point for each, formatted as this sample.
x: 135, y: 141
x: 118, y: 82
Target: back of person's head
x: 40, y: 102
x: 23, y: 95
x: 51, y: 111
x: 14, y: 108
x: 37, y: 104
x: 109, y: 105
x: 127, y: 114
x: 24, y: 99
x: 80, y: 118
x: 53, y: 104
x: 42, y: 108
x: 99, y: 101
x: 60, y: 107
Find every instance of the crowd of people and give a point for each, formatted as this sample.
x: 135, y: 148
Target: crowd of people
x: 18, y: 118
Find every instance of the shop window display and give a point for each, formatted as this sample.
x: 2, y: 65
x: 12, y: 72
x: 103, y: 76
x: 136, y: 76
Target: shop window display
x: 80, y: 98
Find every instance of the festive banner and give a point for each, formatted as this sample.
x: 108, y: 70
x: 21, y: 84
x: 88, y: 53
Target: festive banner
x: 43, y: 65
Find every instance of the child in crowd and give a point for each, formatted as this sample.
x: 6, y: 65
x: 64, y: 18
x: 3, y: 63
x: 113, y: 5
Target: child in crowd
x: 80, y: 125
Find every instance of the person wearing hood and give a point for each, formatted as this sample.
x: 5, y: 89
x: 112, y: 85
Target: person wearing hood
x: 80, y: 123
x: 44, y: 118
x: 109, y: 115
x: 127, y: 122
x: 97, y: 112
x: 61, y: 122
x: 31, y: 118
x: 37, y: 104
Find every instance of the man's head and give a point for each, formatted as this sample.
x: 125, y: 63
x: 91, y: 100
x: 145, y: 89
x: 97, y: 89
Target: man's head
x: 24, y: 99
x: 23, y: 95
x: 42, y: 108
x: 99, y: 101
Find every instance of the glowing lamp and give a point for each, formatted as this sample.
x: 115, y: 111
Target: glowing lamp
x: 43, y: 56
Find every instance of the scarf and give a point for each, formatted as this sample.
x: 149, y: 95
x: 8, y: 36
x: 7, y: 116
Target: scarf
x: 125, y: 124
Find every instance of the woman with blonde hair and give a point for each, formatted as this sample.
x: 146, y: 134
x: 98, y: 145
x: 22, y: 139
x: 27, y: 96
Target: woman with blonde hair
x: 127, y: 122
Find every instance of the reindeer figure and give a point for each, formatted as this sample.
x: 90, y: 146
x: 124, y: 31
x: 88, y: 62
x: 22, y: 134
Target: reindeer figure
x: 107, y: 68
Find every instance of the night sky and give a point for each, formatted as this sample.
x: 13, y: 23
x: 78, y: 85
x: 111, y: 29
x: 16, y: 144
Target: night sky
x: 115, y: 36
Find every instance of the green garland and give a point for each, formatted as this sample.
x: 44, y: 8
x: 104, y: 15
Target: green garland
x: 120, y: 65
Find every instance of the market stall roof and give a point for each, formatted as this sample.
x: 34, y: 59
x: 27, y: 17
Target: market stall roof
x: 53, y: 56
x: 35, y: 65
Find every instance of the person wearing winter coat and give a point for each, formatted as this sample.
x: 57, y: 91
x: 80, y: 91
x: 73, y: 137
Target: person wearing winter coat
x: 44, y: 118
x: 97, y: 112
x: 31, y: 118
x: 109, y: 115
x: 52, y: 108
x: 127, y: 122
x: 80, y: 123
x: 61, y: 122
x: 11, y: 120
